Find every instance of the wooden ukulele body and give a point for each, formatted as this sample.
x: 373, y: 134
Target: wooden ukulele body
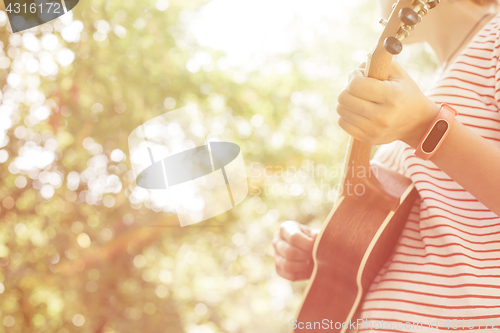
x: 353, y: 246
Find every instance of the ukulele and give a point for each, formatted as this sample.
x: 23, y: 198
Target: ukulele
x: 365, y: 223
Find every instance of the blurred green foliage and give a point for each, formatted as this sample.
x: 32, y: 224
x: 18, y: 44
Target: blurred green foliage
x: 79, y: 251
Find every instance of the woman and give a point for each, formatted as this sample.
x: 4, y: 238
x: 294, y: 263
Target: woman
x: 445, y: 270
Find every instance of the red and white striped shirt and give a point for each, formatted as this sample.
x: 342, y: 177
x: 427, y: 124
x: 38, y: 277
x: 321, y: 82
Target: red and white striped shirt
x: 445, y: 270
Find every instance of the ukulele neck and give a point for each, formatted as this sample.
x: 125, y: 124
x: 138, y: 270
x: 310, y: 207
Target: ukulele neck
x: 377, y: 67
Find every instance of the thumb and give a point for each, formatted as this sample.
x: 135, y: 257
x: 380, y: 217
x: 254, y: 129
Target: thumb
x: 362, y: 68
x: 313, y: 233
x: 396, y: 71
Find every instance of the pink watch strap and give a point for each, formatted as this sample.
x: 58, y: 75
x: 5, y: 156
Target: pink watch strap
x: 437, y: 132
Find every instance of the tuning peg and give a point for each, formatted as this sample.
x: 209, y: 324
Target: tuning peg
x: 408, y: 16
x: 383, y: 22
x: 393, y: 45
x: 432, y: 3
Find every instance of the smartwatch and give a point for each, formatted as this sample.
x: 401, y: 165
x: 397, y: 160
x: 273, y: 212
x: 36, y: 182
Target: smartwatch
x: 437, y: 132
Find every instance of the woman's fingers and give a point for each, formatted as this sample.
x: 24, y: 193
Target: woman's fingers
x: 291, y: 252
x: 353, y: 117
x: 293, y: 246
x: 352, y: 129
x: 313, y: 233
x: 292, y: 266
x: 293, y: 276
x: 292, y: 233
x: 364, y: 108
x: 293, y: 271
x: 367, y: 88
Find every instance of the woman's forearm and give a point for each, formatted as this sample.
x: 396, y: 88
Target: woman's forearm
x: 473, y: 162
x: 378, y: 112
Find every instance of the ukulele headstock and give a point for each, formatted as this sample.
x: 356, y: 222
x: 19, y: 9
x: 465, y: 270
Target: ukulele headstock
x: 405, y: 15
x: 409, y: 16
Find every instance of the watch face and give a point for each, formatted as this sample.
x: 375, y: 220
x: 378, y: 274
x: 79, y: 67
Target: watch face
x: 436, y: 134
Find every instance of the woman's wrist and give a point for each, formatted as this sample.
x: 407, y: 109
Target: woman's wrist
x: 418, y: 131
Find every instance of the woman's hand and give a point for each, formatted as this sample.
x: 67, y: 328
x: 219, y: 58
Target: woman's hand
x: 293, y: 246
x: 378, y: 112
